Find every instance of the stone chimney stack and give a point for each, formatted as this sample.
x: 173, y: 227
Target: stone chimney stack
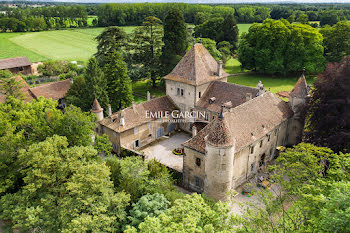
x: 109, y: 110
x: 194, y: 131
x: 219, y: 68
x: 248, y: 96
x: 122, y: 119
x: 148, y: 96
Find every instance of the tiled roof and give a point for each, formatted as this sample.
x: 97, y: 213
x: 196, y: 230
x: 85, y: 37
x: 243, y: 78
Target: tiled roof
x: 53, y: 90
x: 247, y: 122
x: 224, y: 93
x: 96, y: 107
x: 300, y: 89
x: 196, y: 67
x: 24, y: 90
x: 220, y: 133
x: 14, y: 62
x: 137, y: 116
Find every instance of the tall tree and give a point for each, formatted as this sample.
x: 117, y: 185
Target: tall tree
x: 118, y: 82
x: 66, y: 189
x: 329, y: 109
x: 336, y: 41
x: 175, y: 40
x: 86, y: 88
x: 278, y: 47
x: 230, y: 31
x: 110, y: 39
x: 147, y: 47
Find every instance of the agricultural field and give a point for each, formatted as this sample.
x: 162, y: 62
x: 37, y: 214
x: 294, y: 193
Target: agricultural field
x: 70, y: 44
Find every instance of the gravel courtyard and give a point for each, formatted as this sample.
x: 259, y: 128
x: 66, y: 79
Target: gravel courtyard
x: 161, y: 150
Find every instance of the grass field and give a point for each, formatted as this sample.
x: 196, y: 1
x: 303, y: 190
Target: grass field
x: 70, y: 44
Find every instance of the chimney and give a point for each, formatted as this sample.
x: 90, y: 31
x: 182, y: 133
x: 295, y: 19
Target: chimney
x: 71, y: 81
x: 219, y: 68
x: 133, y: 105
x: 122, y: 119
x: 194, y: 131
x: 248, y: 96
x: 109, y: 110
x: 148, y: 96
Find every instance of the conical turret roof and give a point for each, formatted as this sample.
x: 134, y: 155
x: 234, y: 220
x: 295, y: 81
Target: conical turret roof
x: 300, y: 89
x: 220, y: 134
x: 96, y: 107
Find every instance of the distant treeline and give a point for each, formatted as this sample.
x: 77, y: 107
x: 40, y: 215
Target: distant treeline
x: 43, y: 18
x: 46, y: 17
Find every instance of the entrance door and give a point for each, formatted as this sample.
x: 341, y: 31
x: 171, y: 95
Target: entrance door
x: 171, y: 127
x: 160, y: 132
x: 262, y: 160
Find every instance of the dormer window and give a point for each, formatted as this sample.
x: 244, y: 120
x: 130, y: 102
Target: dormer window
x: 211, y: 100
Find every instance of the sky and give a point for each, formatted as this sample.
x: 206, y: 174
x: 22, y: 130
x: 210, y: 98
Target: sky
x: 208, y: 1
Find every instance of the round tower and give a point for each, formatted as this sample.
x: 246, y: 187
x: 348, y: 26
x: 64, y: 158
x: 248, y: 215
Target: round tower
x: 219, y: 159
x: 97, y: 110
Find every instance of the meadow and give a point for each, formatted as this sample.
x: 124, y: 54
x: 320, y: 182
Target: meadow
x: 70, y: 44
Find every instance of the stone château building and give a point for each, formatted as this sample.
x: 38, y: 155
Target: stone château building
x: 235, y: 134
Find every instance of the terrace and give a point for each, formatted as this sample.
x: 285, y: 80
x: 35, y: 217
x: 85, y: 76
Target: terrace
x: 162, y: 150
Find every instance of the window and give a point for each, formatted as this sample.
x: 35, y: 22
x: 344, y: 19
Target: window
x: 137, y: 143
x: 197, y: 181
x: 136, y: 130
x: 20, y: 68
x: 268, y: 137
x: 198, y: 162
x: 178, y: 91
x: 150, y: 135
x: 206, y: 116
x: 199, y: 95
x: 261, y: 143
x: 252, y: 167
x: 103, y: 129
x: 182, y: 92
x: 252, y: 149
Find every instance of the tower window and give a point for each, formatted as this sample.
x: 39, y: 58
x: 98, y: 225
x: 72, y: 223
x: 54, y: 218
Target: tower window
x: 252, y: 167
x: 261, y: 143
x: 199, y: 95
x: 182, y: 92
x: 198, y: 162
x: 268, y: 137
x: 197, y: 181
x: 252, y: 149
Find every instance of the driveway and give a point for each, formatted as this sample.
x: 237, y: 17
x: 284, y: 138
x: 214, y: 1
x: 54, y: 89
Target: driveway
x: 161, y: 150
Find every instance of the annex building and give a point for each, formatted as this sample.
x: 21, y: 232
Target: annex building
x: 232, y: 130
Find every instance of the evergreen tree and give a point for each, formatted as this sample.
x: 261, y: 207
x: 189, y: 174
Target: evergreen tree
x: 146, y: 47
x: 175, y: 40
x: 86, y: 88
x: 118, y: 82
x: 110, y: 39
x: 230, y: 31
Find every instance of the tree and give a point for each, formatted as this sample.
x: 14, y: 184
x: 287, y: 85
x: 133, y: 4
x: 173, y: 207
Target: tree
x: 303, y: 18
x: 175, y: 40
x: 65, y: 190
x: 278, y: 47
x: 118, y: 82
x: 329, y: 121
x: 230, y: 32
x: 190, y: 214
x: 22, y: 124
x: 147, y: 47
x: 212, y: 29
x: 336, y: 41
x: 10, y: 86
x: 112, y: 38
x: 310, y: 180
x: 329, y: 17
x: 150, y: 205
x: 91, y: 85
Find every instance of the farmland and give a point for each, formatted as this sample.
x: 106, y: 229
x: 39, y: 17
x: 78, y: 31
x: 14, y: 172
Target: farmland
x: 72, y: 44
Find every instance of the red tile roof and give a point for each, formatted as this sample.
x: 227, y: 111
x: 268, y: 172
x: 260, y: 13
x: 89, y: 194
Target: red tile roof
x: 137, y: 116
x: 196, y: 67
x: 224, y: 93
x: 14, y: 62
x: 53, y: 90
x: 246, y: 123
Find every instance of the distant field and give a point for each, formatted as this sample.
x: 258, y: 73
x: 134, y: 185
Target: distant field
x: 70, y: 44
x: 244, y: 27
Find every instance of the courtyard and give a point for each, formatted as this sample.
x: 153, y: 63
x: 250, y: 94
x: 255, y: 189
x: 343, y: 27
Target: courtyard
x: 161, y: 150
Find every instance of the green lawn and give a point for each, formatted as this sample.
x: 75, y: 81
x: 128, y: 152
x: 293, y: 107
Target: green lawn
x: 140, y: 89
x: 275, y: 84
x: 244, y: 27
